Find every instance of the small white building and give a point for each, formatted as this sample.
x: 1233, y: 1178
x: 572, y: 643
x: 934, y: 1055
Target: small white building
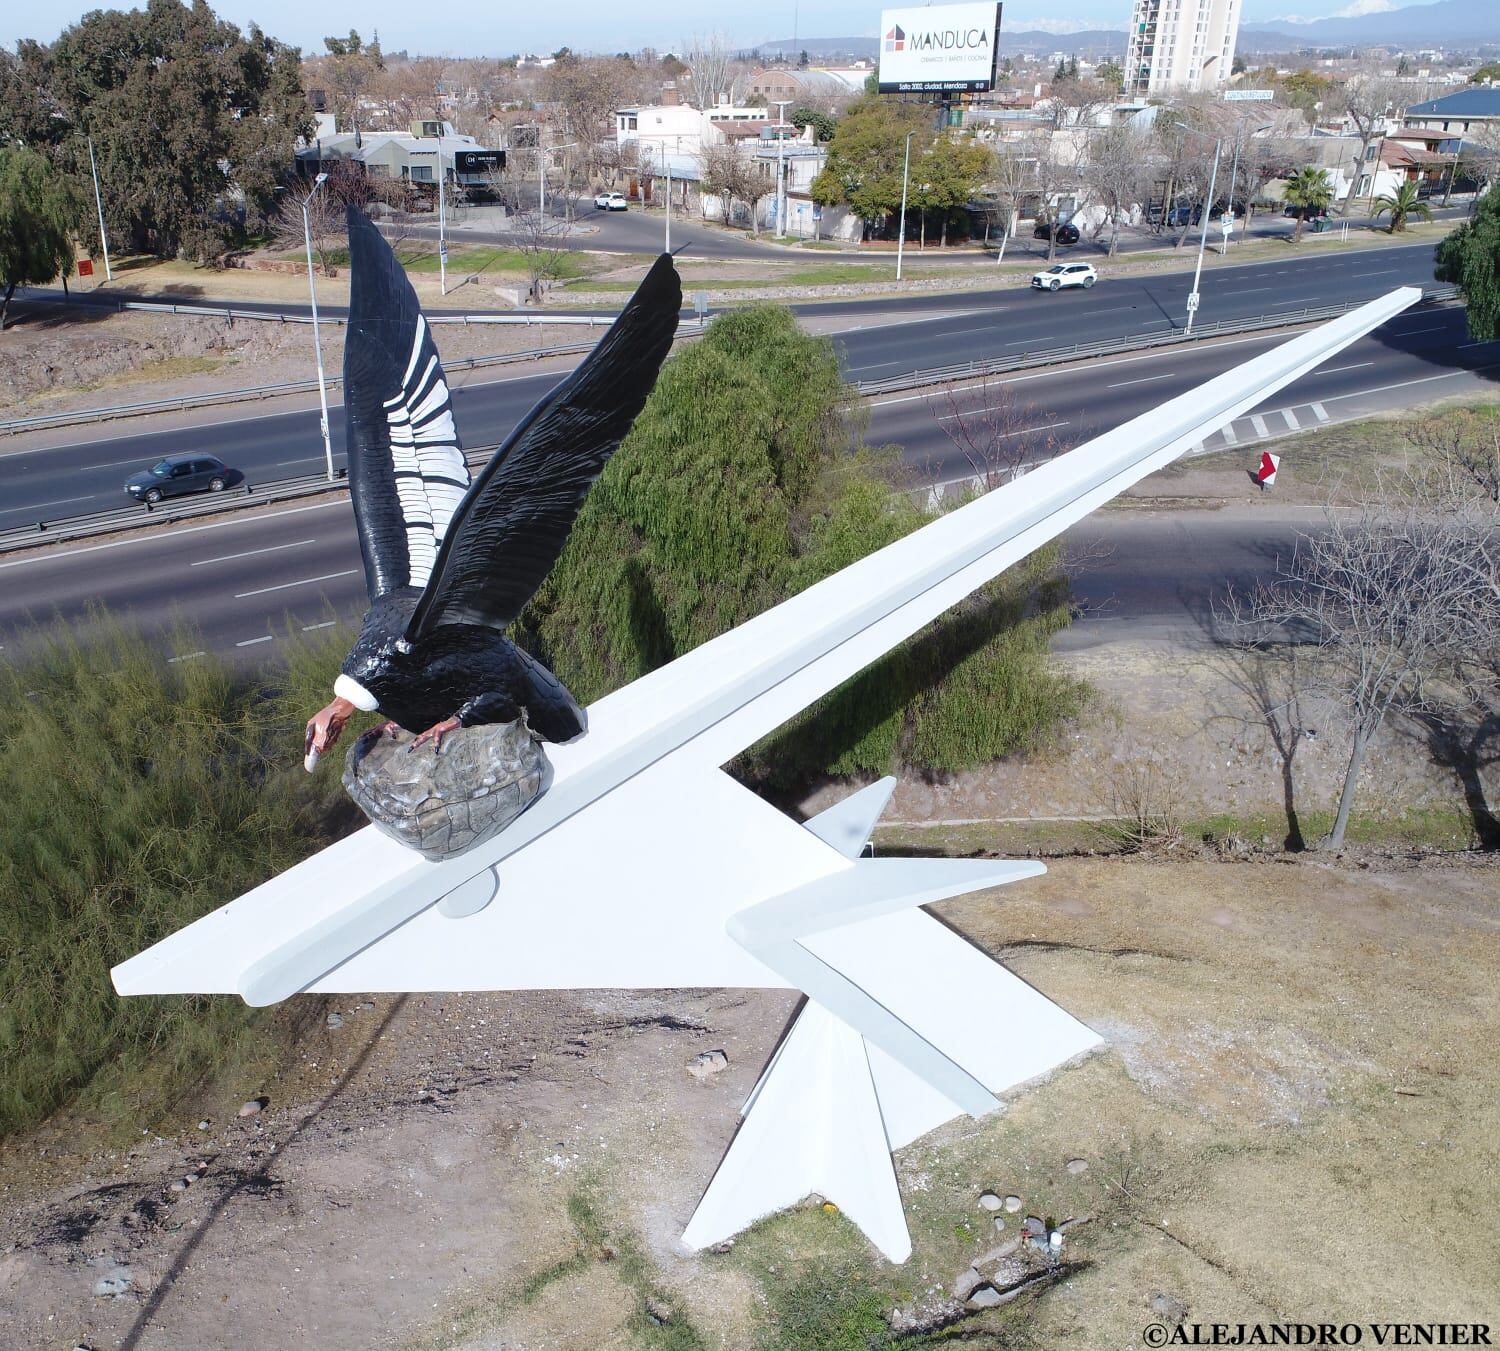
x: 680, y: 129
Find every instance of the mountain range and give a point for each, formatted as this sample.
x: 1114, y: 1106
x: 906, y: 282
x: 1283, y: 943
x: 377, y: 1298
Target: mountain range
x: 1448, y: 23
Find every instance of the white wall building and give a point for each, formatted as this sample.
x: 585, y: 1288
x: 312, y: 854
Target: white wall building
x: 678, y: 129
x: 1181, y: 45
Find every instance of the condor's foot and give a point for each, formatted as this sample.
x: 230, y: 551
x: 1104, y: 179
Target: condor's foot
x: 373, y: 734
x: 435, y: 734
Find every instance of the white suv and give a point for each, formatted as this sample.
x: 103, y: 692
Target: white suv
x: 611, y: 201
x: 1064, y: 274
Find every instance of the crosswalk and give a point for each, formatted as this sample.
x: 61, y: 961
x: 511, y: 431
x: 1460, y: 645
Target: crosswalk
x: 1265, y: 426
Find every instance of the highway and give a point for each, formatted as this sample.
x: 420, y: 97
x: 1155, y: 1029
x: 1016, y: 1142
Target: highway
x: 72, y: 474
x: 245, y: 579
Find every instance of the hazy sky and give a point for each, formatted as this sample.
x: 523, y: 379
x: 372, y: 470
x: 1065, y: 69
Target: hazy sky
x: 465, y: 29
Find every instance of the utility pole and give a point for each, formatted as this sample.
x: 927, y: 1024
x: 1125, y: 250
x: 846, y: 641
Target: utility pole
x: 99, y: 206
x: 1453, y: 172
x: 1208, y: 206
x: 780, y: 166
x: 668, y: 246
x: 905, y: 172
x: 442, y: 187
x: 312, y: 291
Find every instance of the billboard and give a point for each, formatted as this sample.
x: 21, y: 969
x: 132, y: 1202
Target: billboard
x: 478, y: 161
x: 942, y: 48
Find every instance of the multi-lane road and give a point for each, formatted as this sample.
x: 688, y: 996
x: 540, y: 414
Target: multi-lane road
x: 71, y: 475
x: 245, y: 579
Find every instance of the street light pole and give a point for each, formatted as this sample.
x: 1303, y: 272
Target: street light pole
x: 668, y: 246
x: 99, y: 206
x: 905, y: 171
x: 1208, y: 205
x: 442, y: 216
x: 780, y: 170
x: 312, y: 291
x: 1453, y: 172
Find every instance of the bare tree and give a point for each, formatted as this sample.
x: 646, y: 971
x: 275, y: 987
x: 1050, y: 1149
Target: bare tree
x: 1367, y: 100
x: 998, y: 435
x: 542, y: 242
x: 1388, y: 594
x: 712, y: 68
x: 1013, y: 178
x: 729, y: 173
x: 1113, y: 174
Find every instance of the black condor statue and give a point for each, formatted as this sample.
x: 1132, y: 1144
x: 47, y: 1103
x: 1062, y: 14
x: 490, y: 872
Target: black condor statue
x: 450, y: 561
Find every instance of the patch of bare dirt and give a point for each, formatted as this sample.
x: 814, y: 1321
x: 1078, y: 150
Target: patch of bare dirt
x: 1295, y: 1116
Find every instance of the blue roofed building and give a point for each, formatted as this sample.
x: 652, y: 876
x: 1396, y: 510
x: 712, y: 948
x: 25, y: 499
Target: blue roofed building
x: 1461, y: 113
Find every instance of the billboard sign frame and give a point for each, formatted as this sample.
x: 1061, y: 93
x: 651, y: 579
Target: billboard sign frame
x: 939, y: 49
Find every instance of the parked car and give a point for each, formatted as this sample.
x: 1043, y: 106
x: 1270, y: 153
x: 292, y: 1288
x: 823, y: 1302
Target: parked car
x: 1307, y: 212
x: 179, y: 474
x: 1064, y: 274
x: 611, y: 201
x: 1066, y: 233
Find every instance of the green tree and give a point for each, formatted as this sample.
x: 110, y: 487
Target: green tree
x: 823, y: 124
x: 1469, y: 258
x: 37, y: 212
x: 1061, y: 72
x: 737, y: 487
x: 1310, y: 190
x: 1109, y: 74
x: 1486, y: 74
x: 1400, y: 204
x: 194, y: 122
x: 945, y: 179
x: 863, y: 168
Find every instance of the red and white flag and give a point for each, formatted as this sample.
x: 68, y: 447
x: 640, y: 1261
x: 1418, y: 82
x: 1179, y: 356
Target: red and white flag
x: 1268, y: 466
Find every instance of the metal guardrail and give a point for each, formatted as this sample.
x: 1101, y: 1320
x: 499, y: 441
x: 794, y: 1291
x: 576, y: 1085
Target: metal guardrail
x: 132, y: 518
x: 169, y: 513
x: 82, y: 417
x: 969, y: 370
x: 282, y: 317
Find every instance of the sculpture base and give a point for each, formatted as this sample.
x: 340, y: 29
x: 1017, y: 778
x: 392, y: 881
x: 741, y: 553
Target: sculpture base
x: 444, y: 802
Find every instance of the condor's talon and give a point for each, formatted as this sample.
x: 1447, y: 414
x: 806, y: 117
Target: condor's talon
x: 435, y: 734
x: 373, y: 734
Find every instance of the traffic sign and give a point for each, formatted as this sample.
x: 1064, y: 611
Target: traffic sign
x: 1226, y: 224
x: 1192, y: 302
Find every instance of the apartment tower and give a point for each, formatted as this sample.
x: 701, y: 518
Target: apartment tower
x: 1180, y: 46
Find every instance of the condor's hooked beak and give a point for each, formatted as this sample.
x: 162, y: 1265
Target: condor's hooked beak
x: 323, y: 729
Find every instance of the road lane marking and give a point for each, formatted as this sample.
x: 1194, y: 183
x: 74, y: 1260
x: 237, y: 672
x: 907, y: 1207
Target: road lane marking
x: 52, y: 555
x: 251, y: 642
x: 56, y: 502
x: 1319, y: 411
x: 1144, y: 380
x: 1290, y: 415
x: 1227, y: 432
x: 1334, y: 370
x: 1464, y: 346
x: 306, y: 459
x: 326, y: 624
x: 186, y: 656
x: 1259, y: 423
x: 1401, y: 384
x: 287, y: 586
x: 251, y: 553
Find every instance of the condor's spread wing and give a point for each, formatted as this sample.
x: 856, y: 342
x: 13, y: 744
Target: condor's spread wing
x: 512, y: 524
x: 406, y: 470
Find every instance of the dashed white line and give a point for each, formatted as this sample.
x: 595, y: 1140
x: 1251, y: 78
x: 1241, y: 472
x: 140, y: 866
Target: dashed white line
x: 186, y: 656
x: 1464, y: 346
x: 56, y: 502
x: 1319, y: 412
x: 251, y: 642
x: 1290, y: 415
x: 286, y: 586
x: 1227, y: 432
x: 326, y: 624
x: 1334, y: 370
x: 1259, y: 423
x: 251, y: 553
x: 1144, y: 380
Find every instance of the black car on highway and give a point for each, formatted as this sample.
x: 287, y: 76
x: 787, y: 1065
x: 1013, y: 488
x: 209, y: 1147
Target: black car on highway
x: 1066, y: 234
x: 179, y: 474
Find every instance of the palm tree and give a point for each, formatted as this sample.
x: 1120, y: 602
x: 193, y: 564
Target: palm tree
x: 1402, y: 203
x: 1309, y: 190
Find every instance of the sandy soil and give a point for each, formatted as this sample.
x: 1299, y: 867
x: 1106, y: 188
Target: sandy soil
x: 1296, y: 1116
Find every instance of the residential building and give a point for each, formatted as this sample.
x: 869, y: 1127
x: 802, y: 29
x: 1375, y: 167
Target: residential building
x: 670, y: 129
x: 1181, y: 46
x: 1460, y: 114
x: 774, y: 85
x: 406, y: 156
